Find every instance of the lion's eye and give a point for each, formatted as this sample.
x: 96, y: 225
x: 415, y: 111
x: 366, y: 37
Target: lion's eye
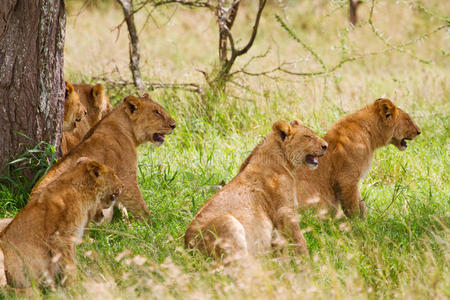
x: 157, y: 112
x: 308, y: 137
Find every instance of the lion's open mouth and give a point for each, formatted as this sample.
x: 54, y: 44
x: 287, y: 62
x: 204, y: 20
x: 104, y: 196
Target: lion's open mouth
x: 312, y: 161
x: 404, y: 144
x: 158, y: 137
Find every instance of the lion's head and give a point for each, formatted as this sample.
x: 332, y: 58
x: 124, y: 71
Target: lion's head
x: 106, y: 183
x: 300, y: 144
x: 149, y: 119
x: 94, y: 98
x: 399, y: 122
x: 74, y: 111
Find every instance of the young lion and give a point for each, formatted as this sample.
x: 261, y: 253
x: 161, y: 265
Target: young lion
x: 261, y: 200
x: 74, y: 114
x: 352, y: 142
x: 113, y: 142
x: 94, y: 99
x: 40, y: 241
x: 74, y: 110
x: 4, y: 222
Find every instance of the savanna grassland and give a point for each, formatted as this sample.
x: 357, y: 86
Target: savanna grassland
x: 400, y: 251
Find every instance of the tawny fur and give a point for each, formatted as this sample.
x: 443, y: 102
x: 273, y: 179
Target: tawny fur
x: 96, y: 102
x: 40, y: 241
x: 352, y: 142
x: 4, y: 222
x: 113, y: 142
x: 74, y: 114
x: 242, y: 217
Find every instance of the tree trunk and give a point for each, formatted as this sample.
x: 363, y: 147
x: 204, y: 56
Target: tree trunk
x: 31, y: 74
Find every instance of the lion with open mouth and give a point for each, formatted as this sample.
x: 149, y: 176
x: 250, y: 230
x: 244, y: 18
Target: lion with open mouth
x: 352, y: 142
x: 243, y: 216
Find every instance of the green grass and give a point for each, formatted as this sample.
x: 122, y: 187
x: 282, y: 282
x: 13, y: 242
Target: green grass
x: 400, y: 251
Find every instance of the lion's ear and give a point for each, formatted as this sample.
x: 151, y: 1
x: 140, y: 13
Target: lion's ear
x: 95, y: 169
x: 386, y: 108
x: 282, y: 129
x: 146, y: 96
x: 296, y: 123
x: 98, y: 92
x: 133, y: 104
x: 69, y: 89
x: 82, y: 159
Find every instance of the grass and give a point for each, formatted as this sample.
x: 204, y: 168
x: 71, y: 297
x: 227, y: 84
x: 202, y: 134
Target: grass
x: 400, y: 251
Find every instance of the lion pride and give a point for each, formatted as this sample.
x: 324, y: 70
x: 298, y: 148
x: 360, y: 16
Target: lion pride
x: 40, y: 241
x: 261, y: 200
x: 352, y: 142
x: 113, y: 142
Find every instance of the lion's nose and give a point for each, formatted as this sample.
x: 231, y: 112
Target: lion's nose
x: 419, y: 132
x: 324, y: 146
x: 173, y: 126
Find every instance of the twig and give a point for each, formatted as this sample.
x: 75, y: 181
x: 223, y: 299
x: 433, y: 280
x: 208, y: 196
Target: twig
x: 387, y: 43
x: 327, y: 69
x: 295, y: 38
x: 192, y: 87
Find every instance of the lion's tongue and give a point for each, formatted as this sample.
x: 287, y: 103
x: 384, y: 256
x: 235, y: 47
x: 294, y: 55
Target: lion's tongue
x: 313, y: 160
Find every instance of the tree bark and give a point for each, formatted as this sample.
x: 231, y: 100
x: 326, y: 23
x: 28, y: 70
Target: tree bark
x: 31, y: 74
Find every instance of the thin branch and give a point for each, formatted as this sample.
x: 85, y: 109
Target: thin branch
x: 225, y: 20
x: 192, y: 87
x: 127, y: 7
x: 327, y: 69
x: 298, y: 40
x: 238, y: 52
x: 247, y: 47
x: 400, y: 47
x: 180, y: 2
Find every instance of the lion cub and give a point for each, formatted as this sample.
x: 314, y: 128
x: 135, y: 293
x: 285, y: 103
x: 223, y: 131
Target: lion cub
x: 74, y: 114
x: 96, y: 102
x: 352, y: 142
x: 242, y: 217
x: 113, y: 142
x: 40, y: 241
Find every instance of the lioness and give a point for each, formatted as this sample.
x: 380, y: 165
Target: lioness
x: 113, y: 142
x: 242, y: 217
x: 40, y: 241
x: 352, y: 142
x: 94, y: 99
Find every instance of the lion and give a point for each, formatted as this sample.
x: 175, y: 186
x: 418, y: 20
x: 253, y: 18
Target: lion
x: 40, y: 241
x: 261, y: 200
x: 74, y: 110
x: 97, y: 104
x: 352, y: 142
x: 4, y: 222
x: 113, y: 142
x: 74, y: 114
